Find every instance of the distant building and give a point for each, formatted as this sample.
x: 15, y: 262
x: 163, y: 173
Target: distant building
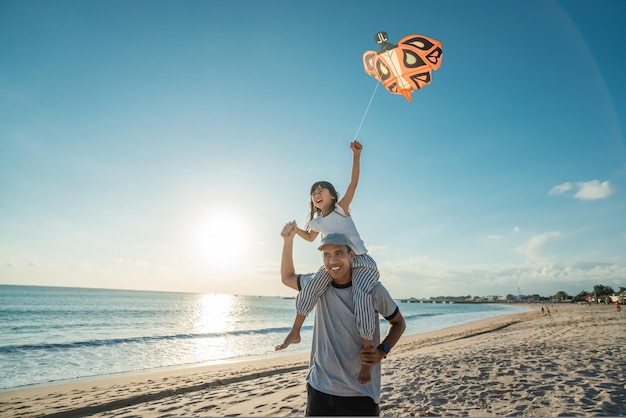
x: 619, y: 296
x: 590, y: 297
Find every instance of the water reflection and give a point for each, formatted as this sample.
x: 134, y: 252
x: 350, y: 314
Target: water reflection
x: 215, y: 313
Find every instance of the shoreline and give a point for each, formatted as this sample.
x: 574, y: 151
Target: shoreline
x: 504, y: 365
x: 214, y: 363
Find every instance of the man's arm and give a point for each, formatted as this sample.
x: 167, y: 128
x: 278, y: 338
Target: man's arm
x: 287, y: 269
x: 371, y: 355
x: 396, y: 329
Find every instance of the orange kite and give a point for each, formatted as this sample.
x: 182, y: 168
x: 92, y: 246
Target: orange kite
x: 405, y: 67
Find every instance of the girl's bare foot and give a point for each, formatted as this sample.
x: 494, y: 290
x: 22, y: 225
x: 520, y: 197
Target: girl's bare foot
x: 365, y: 374
x: 292, y: 338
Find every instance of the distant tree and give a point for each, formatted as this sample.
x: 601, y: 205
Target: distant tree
x: 561, y: 296
x: 603, y: 292
x: 581, y: 296
x: 510, y: 298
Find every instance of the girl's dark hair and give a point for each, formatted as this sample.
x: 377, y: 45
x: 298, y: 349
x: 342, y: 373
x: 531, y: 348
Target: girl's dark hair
x: 315, y: 212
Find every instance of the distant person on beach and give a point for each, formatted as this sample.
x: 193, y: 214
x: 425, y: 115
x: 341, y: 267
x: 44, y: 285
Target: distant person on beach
x: 617, y: 307
x: 329, y: 214
x: 337, y: 352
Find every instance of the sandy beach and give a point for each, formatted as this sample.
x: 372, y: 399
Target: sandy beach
x: 571, y: 362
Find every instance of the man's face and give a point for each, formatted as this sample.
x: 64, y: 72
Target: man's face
x: 337, y: 260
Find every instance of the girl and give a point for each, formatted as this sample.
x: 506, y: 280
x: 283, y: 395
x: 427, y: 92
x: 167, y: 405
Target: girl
x: 331, y: 215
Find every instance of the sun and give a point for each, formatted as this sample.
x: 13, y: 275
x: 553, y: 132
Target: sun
x: 221, y: 240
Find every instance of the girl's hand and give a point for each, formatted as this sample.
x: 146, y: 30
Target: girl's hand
x: 289, y: 230
x: 356, y: 146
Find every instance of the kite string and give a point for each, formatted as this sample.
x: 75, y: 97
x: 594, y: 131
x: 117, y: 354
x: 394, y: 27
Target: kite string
x: 366, y: 110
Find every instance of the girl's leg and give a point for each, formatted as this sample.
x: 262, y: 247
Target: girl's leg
x: 305, y: 302
x: 365, y: 374
x: 294, y: 335
x: 364, y: 309
x: 364, y: 278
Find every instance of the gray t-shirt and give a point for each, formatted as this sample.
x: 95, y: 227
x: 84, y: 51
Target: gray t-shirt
x: 335, y: 363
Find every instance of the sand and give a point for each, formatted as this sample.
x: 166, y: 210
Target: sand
x: 569, y: 363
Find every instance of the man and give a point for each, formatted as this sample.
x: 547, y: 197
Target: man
x: 337, y: 353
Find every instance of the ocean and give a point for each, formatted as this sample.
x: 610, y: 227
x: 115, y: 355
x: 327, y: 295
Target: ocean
x: 53, y: 334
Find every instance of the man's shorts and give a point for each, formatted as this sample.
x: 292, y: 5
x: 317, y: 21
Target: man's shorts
x: 322, y: 404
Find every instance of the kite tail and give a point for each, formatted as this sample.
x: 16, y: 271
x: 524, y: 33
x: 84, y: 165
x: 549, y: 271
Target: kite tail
x: 366, y: 110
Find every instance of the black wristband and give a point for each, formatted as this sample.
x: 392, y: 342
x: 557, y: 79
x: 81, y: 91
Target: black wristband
x: 384, y: 347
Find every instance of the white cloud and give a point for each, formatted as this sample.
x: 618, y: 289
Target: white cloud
x: 426, y: 276
x: 585, y: 190
x: 494, y: 236
x: 592, y: 190
x: 535, y: 247
x: 376, y: 249
x: 561, y: 188
x: 516, y: 229
x: 423, y: 266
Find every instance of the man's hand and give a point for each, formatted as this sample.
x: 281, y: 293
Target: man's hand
x: 287, y: 270
x: 371, y: 356
x: 289, y: 230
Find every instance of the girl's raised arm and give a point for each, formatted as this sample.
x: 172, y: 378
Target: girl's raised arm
x: 356, y: 148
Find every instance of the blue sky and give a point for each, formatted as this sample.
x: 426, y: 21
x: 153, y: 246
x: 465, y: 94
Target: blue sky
x: 162, y: 145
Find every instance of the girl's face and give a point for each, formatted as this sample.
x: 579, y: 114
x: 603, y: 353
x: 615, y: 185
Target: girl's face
x: 321, y: 198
